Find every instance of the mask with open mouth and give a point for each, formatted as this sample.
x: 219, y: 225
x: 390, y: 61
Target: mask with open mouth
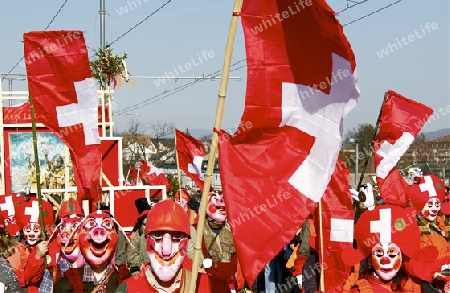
x: 431, y: 209
x: 216, y: 207
x: 167, y: 233
x: 166, y: 251
x: 98, y: 238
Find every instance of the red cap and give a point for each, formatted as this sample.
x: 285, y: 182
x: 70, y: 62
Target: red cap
x: 167, y: 215
x: 28, y: 212
x: 8, y: 207
x: 183, y: 193
x: 71, y: 207
x: 429, y: 186
x: 387, y: 223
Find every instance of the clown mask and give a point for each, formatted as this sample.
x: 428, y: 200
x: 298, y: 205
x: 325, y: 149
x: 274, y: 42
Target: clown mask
x: 32, y: 233
x: 216, y: 207
x: 98, y: 239
x: 431, y: 209
x: 166, y: 251
x: 386, y: 260
x: 69, y: 245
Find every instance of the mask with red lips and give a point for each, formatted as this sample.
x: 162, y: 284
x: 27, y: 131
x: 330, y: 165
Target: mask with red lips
x: 386, y: 260
x: 98, y: 238
x: 32, y: 233
x: 431, y: 209
x: 166, y: 251
x: 216, y: 207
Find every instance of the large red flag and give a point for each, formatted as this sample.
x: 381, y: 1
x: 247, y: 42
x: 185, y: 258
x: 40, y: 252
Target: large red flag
x: 65, y: 100
x: 401, y: 120
x: 337, y: 231
x: 301, y: 84
x: 190, y: 153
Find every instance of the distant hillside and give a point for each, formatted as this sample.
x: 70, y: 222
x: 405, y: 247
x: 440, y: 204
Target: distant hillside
x: 436, y: 134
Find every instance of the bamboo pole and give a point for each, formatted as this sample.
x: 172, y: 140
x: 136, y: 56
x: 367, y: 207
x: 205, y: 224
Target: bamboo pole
x: 38, y: 175
x: 377, y: 126
x: 215, y: 138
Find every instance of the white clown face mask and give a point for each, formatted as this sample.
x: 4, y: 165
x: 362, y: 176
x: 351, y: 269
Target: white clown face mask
x: 386, y: 260
x: 431, y: 209
x: 166, y: 251
x: 32, y: 233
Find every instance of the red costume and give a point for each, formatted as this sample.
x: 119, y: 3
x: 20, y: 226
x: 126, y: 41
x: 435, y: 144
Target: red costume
x: 27, y: 218
x: 167, y: 233
x: 385, y: 235
x: 427, y: 195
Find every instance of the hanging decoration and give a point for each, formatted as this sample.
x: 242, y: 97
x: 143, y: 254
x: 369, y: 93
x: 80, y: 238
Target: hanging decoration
x: 109, y: 68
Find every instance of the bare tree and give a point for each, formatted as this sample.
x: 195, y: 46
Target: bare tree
x: 160, y: 130
x: 136, y: 144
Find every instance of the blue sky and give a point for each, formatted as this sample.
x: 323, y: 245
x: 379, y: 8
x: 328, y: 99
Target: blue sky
x: 182, y: 30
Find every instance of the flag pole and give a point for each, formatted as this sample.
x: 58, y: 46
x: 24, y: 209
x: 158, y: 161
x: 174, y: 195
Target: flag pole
x: 322, y: 275
x: 38, y: 175
x: 178, y: 163
x: 377, y: 126
x: 215, y: 138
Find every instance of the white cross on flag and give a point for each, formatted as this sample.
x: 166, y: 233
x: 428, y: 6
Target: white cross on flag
x: 301, y: 85
x: 401, y: 119
x: 65, y: 99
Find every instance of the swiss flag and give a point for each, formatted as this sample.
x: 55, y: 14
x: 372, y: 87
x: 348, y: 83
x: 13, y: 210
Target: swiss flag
x: 65, y: 100
x: 401, y: 120
x: 301, y: 84
x: 190, y: 153
x: 155, y: 176
x: 337, y: 231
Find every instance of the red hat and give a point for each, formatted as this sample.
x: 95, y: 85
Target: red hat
x: 167, y: 215
x: 429, y: 186
x: 183, y: 194
x: 70, y: 207
x: 28, y: 212
x: 8, y: 206
x: 385, y: 223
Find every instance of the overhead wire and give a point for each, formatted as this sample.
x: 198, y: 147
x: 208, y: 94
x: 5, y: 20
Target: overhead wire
x: 48, y: 25
x: 142, y: 21
x: 168, y: 93
x: 373, y: 12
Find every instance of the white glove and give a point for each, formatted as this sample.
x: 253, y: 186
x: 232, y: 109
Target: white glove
x: 299, y: 281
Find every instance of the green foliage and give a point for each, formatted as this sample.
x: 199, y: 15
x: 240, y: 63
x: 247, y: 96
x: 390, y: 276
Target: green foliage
x: 108, y: 67
x: 174, y: 186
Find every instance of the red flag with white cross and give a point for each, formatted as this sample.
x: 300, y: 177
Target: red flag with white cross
x: 401, y: 120
x: 190, y: 153
x: 301, y: 84
x: 65, y: 100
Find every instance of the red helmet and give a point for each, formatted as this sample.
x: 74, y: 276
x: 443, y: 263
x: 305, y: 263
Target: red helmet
x: 71, y: 207
x: 166, y: 215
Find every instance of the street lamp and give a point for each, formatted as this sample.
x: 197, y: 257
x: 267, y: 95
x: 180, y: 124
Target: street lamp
x: 356, y: 141
x: 10, y: 80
